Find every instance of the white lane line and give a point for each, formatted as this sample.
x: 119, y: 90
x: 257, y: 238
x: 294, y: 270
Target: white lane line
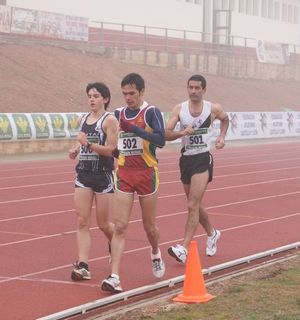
x: 164, y: 182
x: 147, y: 247
x: 208, y: 208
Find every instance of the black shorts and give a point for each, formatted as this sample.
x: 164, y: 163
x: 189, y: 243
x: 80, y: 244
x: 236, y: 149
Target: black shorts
x: 99, y: 183
x: 190, y: 165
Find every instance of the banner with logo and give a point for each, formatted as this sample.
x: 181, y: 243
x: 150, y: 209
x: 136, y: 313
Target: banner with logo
x: 5, y: 19
x: 242, y: 125
x: 51, y: 25
x: 272, y: 52
x: 76, y: 28
x: 42, y: 23
x: 38, y: 126
x: 24, y: 21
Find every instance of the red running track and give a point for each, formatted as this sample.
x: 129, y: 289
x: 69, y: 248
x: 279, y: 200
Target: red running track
x: 253, y: 200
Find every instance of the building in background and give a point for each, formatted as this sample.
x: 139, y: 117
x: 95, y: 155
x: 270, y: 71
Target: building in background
x: 219, y: 20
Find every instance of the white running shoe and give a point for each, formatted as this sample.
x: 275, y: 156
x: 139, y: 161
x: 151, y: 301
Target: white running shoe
x: 211, y: 244
x: 158, y: 267
x: 111, y: 284
x: 178, y: 252
x: 80, y: 271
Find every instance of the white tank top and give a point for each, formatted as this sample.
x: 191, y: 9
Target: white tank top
x: 200, y: 141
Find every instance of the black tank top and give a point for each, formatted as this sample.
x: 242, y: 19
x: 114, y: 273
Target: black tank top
x: 90, y: 161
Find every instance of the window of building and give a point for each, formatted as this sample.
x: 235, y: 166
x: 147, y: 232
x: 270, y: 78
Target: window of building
x: 284, y: 12
x: 290, y: 14
x: 218, y: 4
x: 249, y: 7
x: 296, y: 15
x: 255, y: 7
x: 225, y: 4
x: 276, y: 10
x: 232, y: 5
x: 242, y: 6
x: 264, y: 8
x: 271, y: 9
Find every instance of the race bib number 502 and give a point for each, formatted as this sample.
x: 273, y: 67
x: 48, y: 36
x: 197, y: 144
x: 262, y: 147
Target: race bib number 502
x: 130, y: 144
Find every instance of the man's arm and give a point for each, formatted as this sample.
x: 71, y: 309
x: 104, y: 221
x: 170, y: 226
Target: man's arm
x: 110, y: 127
x: 170, y: 134
x: 156, y: 122
x: 219, y: 113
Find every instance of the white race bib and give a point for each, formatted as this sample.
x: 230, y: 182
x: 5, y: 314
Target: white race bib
x: 88, y: 154
x: 196, y: 140
x: 129, y: 144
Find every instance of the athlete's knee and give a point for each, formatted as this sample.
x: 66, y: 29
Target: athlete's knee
x: 193, y: 204
x: 83, y: 222
x: 104, y: 227
x: 120, y: 227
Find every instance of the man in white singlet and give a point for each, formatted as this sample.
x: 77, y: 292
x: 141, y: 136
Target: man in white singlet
x: 196, y: 116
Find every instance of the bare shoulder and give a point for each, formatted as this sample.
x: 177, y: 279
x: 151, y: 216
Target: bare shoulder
x: 217, y: 111
x: 110, y: 120
x: 176, y: 109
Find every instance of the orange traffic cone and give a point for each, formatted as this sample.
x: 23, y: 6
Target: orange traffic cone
x: 194, y: 289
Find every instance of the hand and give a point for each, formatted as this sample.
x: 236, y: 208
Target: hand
x: 220, y: 143
x: 188, y: 131
x: 82, y: 138
x: 127, y: 126
x: 73, y: 153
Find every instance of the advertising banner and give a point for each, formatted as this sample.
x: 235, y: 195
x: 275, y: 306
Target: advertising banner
x: 270, y: 52
x: 5, y: 19
x: 24, y: 21
x: 58, y: 124
x: 22, y: 123
x: 6, y: 131
x: 51, y: 25
x: 76, y: 28
x: 73, y: 120
x: 242, y: 125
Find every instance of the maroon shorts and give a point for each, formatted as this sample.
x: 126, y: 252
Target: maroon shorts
x: 143, y: 181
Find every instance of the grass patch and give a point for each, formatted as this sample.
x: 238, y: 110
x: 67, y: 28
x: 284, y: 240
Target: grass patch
x: 271, y: 293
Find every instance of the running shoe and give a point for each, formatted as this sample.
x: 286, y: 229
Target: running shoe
x: 211, y: 244
x: 158, y: 267
x: 80, y: 271
x: 178, y: 252
x: 111, y: 284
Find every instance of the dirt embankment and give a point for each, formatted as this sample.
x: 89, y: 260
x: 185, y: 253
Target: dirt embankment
x: 41, y: 78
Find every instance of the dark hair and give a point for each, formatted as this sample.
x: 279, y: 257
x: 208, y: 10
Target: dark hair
x: 102, y: 88
x: 134, y: 78
x: 198, y: 77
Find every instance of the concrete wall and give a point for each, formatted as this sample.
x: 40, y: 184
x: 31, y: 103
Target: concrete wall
x: 214, y: 64
x: 35, y: 146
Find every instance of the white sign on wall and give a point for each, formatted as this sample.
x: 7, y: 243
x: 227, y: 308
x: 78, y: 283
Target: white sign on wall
x: 271, y: 52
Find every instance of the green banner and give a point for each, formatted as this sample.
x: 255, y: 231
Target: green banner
x: 73, y: 124
x: 58, y: 125
x: 41, y: 126
x: 5, y: 128
x: 23, y: 126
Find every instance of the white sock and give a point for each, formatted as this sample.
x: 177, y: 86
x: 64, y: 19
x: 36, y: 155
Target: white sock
x: 213, y: 234
x: 114, y: 275
x: 156, y: 256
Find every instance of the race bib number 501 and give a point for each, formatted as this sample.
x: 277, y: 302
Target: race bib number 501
x: 196, y: 140
x: 130, y: 144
